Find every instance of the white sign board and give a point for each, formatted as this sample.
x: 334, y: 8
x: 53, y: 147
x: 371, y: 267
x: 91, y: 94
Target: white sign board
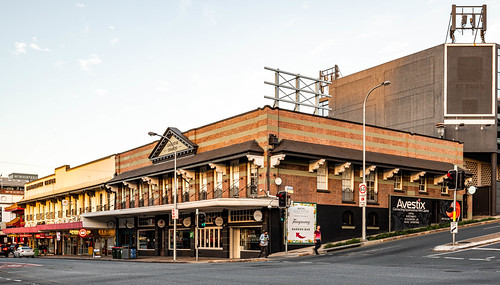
x: 362, y: 200
x: 301, y: 223
x: 175, y: 214
x: 362, y: 188
x: 454, y: 227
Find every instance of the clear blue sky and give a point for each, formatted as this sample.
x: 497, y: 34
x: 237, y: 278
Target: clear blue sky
x: 81, y: 80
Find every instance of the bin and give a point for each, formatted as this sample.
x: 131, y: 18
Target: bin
x: 133, y: 253
x: 125, y: 252
x: 36, y: 251
x: 117, y: 252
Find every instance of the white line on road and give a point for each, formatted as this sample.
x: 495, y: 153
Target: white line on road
x: 485, y: 248
x: 491, y: 227
x: 457, y: 258
x: 305, y: 262
x: 479, y: 259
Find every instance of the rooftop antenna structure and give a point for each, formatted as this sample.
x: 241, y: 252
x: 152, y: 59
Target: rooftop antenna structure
x: 470, y: 18
x: 299, y: 91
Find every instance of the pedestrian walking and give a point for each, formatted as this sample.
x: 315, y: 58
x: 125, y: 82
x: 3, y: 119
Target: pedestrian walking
x: 317, y: 239
x: 264, y: 244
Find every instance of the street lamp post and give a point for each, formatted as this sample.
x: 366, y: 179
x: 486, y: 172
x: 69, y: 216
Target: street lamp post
x: 175, y: 190
x: 363, y: 220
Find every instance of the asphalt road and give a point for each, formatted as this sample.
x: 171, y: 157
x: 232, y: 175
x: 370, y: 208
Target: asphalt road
x: 404, y: 261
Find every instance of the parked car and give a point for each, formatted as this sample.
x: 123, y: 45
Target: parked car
x: 5, y: 250
x: 25, y: 251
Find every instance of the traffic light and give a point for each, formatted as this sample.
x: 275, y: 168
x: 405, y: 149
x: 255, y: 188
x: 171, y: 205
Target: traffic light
x: 201, y: 220
x: 461, y: 180
x: 281, y: 199
x: 452, y: 179
x: 282, y: 215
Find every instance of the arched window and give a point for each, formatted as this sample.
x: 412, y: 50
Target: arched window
x: 372, y: 220
x: 348, y: 220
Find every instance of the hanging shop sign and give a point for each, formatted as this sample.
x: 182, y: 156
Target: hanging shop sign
x: 301, y: 223
x: 106, y: 232
x: 43, y: 236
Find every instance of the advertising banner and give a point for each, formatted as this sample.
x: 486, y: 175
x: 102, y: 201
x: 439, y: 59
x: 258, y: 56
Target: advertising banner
x: 301, y: 223
x: 447, y: 211
x: 409, y: 212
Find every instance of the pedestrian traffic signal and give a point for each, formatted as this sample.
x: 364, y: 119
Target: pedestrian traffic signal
x: 281, y: 199
x: 451, y: 179
x: 201, y: 220
x: 282, y: 215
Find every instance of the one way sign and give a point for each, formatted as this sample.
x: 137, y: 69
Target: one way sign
x: 454, y: 227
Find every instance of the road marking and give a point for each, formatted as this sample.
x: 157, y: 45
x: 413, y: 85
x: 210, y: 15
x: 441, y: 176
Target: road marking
x: 491, y: 227
x: 457, y: 258
x: 479, y: 259
x: 485, y: 248
x: 305, y: 262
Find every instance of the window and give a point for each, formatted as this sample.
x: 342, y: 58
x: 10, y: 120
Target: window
x: 347, y: 220
x: 218, y: 184
x: 372, y: 220
x: 203, y: 183
x: 444, y: 188
x: 347, y: 188
x: 422, y: 185
x: 183, y: 239
x: 398, y: 180
x: 371, y: 187
x: 146, y: 239
x: 210, y: 238
x: 250, y: 238
x: 241, y: 216
x: 185, y: 190
x: 322, y: 180
x: 254, y: 180
x: 235, y: 179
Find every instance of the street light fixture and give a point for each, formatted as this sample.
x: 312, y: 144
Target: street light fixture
x: 175, y: 190
x: 363, y: 221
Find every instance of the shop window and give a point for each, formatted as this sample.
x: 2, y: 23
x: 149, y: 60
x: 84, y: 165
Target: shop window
x: 249, y: 238
x: 347, y: 186
x: 210, y: 238
x: 183, y: 239
x: 371, y: 187
x: 146, y: 239
x: 398, y: 180
x: 422, y: 185
x: 372, y: 220
x: 348, y: 220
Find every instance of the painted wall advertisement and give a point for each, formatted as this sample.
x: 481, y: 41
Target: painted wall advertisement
x: 409, y: 212
x: 301, y: 223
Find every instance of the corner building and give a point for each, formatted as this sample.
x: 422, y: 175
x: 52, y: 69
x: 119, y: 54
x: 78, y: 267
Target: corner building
x: 229, y: 170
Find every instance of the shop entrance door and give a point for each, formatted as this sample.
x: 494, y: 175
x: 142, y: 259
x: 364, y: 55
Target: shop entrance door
x: 234, y: 243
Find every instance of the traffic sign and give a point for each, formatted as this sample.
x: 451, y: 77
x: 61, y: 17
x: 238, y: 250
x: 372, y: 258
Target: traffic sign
x: 175, y: 214
x: 454, y: 227
x: 362, y: 188
x: 362, y: 200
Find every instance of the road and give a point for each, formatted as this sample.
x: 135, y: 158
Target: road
x: 403, y: 261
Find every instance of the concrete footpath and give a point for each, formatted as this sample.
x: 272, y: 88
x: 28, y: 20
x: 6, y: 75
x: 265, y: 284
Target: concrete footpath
x: 463, y: 244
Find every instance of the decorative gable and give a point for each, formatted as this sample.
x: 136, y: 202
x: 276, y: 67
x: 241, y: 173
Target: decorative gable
x: 166, y: 148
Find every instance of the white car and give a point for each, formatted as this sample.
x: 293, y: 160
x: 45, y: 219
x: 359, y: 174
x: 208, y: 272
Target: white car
x: 25, y: 251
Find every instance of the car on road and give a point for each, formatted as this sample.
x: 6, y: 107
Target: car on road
x: 25, y: 251
x: 5, y: 250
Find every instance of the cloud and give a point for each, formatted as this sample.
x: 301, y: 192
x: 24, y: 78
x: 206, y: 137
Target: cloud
x: 86, y: 64
x: 36, y: 47
x: 209, y: 14
x: 164, y: 86
x: 80, y: 5
x: 19, y: 48
x: 305, y: 5
x: 111, y: 27
x: 102, y: 92
x: 113, y: 41
x: 184, y: 5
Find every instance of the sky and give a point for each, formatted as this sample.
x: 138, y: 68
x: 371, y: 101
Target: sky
x: 82, y: 80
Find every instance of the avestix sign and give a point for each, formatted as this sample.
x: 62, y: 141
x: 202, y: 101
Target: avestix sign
x: 409, y: 212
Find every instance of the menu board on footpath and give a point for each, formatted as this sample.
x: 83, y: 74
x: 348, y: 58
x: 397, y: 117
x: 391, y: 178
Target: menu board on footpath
x: 301, y: 223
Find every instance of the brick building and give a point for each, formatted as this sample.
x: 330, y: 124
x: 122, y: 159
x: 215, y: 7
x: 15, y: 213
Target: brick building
x: 232, y: 169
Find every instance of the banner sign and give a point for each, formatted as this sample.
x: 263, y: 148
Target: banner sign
x: 447, y: 211
x: 409, y: 212
x: 301, y: 223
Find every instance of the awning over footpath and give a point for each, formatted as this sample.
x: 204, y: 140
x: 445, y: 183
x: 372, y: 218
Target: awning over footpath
x: 212, y: 156
x: 41, y: 228
x: 308, y: 150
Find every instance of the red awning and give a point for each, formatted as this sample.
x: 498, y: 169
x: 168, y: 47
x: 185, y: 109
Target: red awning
x: 49, y: 227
